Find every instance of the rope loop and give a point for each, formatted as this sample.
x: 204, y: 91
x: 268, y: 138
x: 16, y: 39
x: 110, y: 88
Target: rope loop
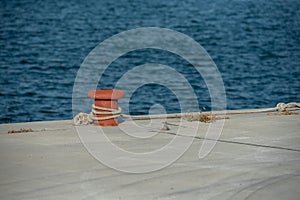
x: 109, y: 110
x: 83, y: 119
x: 86, y: 119
x: 284, y: 106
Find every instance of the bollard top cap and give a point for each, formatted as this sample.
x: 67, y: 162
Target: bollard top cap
x: 106, y: 94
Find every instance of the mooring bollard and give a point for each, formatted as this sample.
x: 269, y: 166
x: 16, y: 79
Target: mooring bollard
x: 105, y: 107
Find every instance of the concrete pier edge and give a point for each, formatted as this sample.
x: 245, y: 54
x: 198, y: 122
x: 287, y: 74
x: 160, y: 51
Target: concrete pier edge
x: 256, y: 157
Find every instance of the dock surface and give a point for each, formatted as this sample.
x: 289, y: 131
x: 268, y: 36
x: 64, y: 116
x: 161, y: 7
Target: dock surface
x: 256, y: 157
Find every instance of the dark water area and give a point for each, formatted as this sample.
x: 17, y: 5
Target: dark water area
x: 255, y: 45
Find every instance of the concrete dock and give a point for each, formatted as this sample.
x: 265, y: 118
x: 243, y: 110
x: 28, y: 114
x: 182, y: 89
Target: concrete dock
x: 256, y: 157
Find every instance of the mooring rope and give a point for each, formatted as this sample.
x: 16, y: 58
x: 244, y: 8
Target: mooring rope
x: 284, y: 106
x: 85, y: 119
x: 110, y: 110
x: 281, y: 107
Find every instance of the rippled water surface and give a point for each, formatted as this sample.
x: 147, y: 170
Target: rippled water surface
x: 254, y: 43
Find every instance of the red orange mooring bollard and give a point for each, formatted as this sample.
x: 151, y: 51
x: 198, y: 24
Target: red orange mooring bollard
x: 105, y: 108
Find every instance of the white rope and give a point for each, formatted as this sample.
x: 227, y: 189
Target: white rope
x: 284, y: 106
x: 281, y: 107
x: 110, y: 110
x: 85, y: 119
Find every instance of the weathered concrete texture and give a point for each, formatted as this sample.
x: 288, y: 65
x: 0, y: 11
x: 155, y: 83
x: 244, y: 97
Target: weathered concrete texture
x: 256, y: 157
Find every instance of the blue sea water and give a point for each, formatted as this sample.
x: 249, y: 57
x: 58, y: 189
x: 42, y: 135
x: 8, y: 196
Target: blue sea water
x: 254, y: 43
